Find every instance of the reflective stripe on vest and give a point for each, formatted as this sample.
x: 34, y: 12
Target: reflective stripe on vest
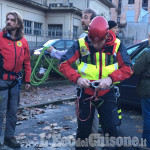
x: 92, y: 71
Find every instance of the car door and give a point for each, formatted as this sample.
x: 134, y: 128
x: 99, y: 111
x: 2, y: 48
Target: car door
x: 128, y: 86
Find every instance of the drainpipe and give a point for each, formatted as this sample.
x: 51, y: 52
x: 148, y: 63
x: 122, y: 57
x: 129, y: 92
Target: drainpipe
x: 87, y: 3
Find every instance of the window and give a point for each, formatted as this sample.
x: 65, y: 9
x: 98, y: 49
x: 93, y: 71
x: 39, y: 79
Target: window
x: 131, y: 2
x: 55, y: 30
x: 75, y: 31
x: 27, y: 27
x: 131, y: 50
x: 69, y: 44
x: 145, y: 4
x: 37, y: 28
x: 118, y: 19
x: 130, y: 14
x: 137, y: 49
x: 60, y: 45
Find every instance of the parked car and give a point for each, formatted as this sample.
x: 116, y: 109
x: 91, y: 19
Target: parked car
x: 128, y: 94
x: 59, y: 44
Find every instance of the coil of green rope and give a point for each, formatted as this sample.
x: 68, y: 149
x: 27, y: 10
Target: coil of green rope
x: 34, y: 79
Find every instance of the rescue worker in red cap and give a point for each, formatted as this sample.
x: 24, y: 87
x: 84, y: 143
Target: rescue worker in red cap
x: 103, y: 61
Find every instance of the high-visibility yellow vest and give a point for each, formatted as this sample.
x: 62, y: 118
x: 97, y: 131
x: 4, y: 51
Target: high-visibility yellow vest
x: 96, y: 66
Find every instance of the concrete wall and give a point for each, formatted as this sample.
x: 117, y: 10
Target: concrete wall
x: 136, y: 8
x: 81, y: 4
x: 67, y: 19
x: 100, y: 8
x: 26, y: 12
x: 34, y: 15
x: 136, y: 31
x: 113, y: 11
x: 127, y: 41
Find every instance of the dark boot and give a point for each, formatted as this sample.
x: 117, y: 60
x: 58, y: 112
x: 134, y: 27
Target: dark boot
x: 11, y: 142
x: 3, y: 147
x: 93, y: 148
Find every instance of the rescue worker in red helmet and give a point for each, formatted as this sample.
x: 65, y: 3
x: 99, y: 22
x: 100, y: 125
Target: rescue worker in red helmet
x: 103, y: 62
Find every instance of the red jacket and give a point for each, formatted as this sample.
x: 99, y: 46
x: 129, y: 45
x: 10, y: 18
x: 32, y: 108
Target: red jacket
x: 14, y: 56
x: 125, y: 67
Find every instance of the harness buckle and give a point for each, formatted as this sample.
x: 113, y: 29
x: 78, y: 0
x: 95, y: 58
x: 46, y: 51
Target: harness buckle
x: 78, y: 92
x: 94, y: 84
x: 19, y: 78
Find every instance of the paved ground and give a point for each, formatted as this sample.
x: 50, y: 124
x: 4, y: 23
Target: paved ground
x: 38, y: 95
x: 36, y: 126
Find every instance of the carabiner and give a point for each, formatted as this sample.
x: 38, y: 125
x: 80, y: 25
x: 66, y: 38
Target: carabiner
x: 94, y: 84
x: 78, y: 91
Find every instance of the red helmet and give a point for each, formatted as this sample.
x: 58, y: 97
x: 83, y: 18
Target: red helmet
x: 98, y: 28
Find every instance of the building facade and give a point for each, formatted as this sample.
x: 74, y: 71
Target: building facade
x: 131, y: 11
x: 49, y: 19
x: 133, y: 17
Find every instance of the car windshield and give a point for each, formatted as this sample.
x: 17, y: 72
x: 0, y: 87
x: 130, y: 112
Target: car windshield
x: 137, y: 56
x: 50, y: 42
x: 131, y: 50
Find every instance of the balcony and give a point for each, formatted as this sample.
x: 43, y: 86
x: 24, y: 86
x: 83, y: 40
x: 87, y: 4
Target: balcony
x: 108, y: 3
x: 39, y: 2
x: 61, y: 7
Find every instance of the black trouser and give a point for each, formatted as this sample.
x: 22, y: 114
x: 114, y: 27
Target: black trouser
x: 108, y: 112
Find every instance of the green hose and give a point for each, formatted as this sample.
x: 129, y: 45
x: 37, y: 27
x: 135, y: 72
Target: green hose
x: 34, y: 79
